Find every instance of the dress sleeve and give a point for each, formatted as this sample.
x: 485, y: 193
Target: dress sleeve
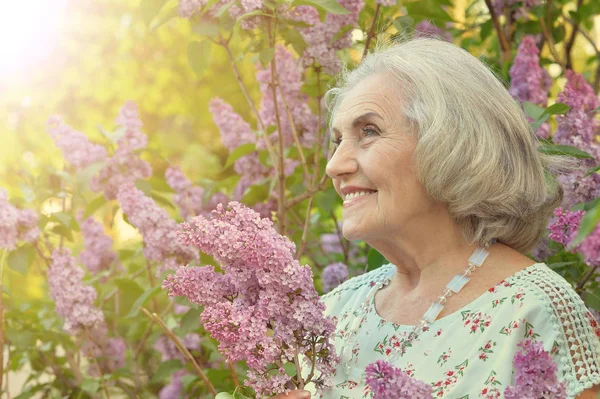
x: 576, y: 332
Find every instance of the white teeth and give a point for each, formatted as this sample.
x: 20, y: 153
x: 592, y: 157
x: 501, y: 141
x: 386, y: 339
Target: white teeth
x: 357, y: 194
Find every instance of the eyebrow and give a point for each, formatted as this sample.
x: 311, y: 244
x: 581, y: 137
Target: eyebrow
x: 359, y: 120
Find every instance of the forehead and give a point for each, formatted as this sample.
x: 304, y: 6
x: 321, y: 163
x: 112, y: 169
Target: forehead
x: 375, y: 94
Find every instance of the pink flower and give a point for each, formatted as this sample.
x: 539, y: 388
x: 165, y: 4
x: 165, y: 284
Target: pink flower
x: 158, y: 230
x: 15, y: 224
x: 263, y: 308
x: 98, y: 254
x: 333, y: 275
x: 385, y: 381
x: 427, y: 28
x: 188, y: 197
x: 77, y: 149
x: 564, y: 228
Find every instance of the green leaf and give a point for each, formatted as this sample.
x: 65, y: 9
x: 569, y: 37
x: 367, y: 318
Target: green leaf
x: 129, y: 291
x: 592, y: 170
x: 290, y: 369
x: 63, y: 218
x: 428, y: 9
x: 534, y: 111
x: 162, y: 200
x: 402, y: 23
x: 555, y: 149
x: 485, y: 29
x: 94, y: 205
x: 326, y: 200
x: 190, y: 321
x: 375, y: 259
x: 557, y: 109
x: 165, y: 16
x: 330, y: 6
x: 596, y: 109
x: 587, y: 225
x: 239, y: 152
x: 159, y: 184
x: 149, y: 9
x: 166, y: 369
x: 20, y: 259
x: 206, y: 28
x: 189, y: 380
x: 255, y: 194
x: 592, y: 299
x: 242, y: 392
x: 199, y: 54
x: 141, y: 301
x: 90, y: 385
x: 224, y: 395
x: 267, y: 55
x: 22, y: 339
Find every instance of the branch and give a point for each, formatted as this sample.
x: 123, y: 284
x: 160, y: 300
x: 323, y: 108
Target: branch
x: 571, y: 40
x: 504, y: 44
x: 234, y: 375
x: 371, y: 33
x: 95, y: 361
x: 307, y: 194
x: 588, y: 275
x: 548, y: 36
x: 305, y: 228
x: 188, y: 356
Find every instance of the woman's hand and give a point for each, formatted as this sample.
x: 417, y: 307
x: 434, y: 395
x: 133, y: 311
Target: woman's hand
x: 294, y: 395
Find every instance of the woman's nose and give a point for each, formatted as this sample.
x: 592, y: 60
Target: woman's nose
x: 343, y: 162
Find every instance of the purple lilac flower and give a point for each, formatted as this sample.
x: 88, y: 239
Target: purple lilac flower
x: 175, y: 387
x: 333, y: 275
x: 264, y: 298
x: 74, y: 301
x: 520, y: 13
x: 169, y: 351
x: 187, y: 8
x: 529, y: 81
x: 427, y: 28
x: 330, y: 242
x: 77, y: 149
x: 321, y: 46
x: 124, y: 166
x: 98, y: 254
x: 234, y: 130
x: 564, y: 228
x: 535, y: 374
x: 158, y: 230
x: 16, y: 224
x: 290, y: 83
x: 187, y: 197
x: 579, y: 128
x: 387, y: 382
x: 590, y: 247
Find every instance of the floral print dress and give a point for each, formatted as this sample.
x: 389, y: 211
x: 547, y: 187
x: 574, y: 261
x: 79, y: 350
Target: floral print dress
x: 468, y: 354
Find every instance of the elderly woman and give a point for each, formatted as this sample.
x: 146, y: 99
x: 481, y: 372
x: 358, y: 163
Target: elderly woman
x: 439, y: 171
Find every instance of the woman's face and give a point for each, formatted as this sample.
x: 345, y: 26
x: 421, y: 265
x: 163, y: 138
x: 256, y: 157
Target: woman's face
x: 374, y: 156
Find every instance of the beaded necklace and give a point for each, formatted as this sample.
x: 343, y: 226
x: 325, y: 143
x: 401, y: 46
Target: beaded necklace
x: 454, y: 286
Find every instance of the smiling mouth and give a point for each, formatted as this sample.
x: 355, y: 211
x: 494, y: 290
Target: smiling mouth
x: 353, y: 197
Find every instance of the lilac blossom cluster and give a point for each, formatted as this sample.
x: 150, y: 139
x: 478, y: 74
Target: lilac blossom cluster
x: 124, y: 166
x: 427, y: 28
x: 333, y: 275
x: 322, y: 37
x: 520, y: 12
x: 158, y: 230
x: 98, y: 254
x: 77, y: 149
x: 579, y: 128
x: 16, y: 224
x: 288, y: 94
x: 529, y: 81
x: 187, y: 197
x: 263, y: 309
x: 385, y: 381
x: 564, y: 228
x: 535, y: 374
x: 174, y: 389
x: 188, y: 8
x: 75, y: 303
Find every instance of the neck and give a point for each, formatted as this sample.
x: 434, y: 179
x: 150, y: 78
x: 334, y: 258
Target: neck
x: 427, y: 256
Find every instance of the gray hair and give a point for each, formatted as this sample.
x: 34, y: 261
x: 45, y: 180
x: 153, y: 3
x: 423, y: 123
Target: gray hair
x: 475, y: 149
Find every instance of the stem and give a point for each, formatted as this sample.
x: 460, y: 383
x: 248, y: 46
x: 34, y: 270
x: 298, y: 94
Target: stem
x: 142, y: 343
x: 371, y: 33
x: 571, y: 40
x: 246, y: 94
x: 188, y: 356
x: 305, y: 229
x: 504, y: 44
x: 152, y: 284
x: 95, y: 361
x: 298, y: 370
x: 591, y: 41
x: 234, y: 375
x: 586, y: 277
x: 547, y: 35
x: 317, y: 157
x: 307, y: 194
x: 280, y: 177
x: 294, y: 132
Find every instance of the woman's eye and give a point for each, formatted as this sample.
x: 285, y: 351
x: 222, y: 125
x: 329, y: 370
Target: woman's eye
x: 369, y: 131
